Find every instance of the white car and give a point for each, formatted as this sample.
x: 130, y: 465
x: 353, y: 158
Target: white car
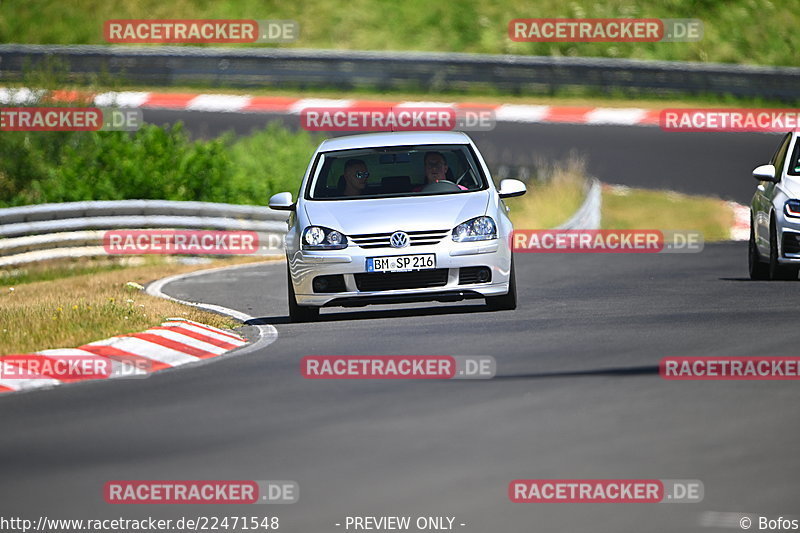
x: 774, y: 251
x: 398, y: 217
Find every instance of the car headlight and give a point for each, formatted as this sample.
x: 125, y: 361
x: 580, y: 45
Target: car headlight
x: 319, y: 238
x: 476, y: 229
x: 792, y: 208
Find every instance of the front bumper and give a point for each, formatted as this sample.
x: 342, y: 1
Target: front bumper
x: 304, y: 266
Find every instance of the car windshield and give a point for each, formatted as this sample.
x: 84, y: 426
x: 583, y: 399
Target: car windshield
x: 395, y: 171
x: 794, y: 163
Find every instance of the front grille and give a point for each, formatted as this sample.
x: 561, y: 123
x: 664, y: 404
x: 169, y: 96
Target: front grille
x: 387, y: 281
x: 468, y: 275
x: 381, y: 240
x: 791, y: 243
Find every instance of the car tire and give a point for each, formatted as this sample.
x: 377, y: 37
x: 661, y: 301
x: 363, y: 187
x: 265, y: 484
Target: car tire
x: 508, y: 301
x: 759, y: 270
x: 778, y: 271
x: 299, y: 313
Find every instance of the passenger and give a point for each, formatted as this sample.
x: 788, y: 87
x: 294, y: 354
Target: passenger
x: 355, y: 177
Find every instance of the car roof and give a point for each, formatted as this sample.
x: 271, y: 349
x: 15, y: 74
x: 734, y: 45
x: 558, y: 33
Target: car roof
x: 396, y: 138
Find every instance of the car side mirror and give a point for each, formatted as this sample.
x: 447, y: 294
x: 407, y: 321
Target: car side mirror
x: 281, y: 202
x: 765, y: 173
x: 510, y: 188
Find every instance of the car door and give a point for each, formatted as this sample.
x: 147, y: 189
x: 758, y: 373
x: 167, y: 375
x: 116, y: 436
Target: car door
x: 765, y: 192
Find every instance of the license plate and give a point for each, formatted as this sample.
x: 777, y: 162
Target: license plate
x: 401, y: 263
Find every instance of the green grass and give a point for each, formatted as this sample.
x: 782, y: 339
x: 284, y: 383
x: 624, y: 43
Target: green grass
x: 72, y: 310
x: 56, y: 269
x: 560, y: 190
x: 556, y: 191
x: 625, y: 208
x: 736, y: 31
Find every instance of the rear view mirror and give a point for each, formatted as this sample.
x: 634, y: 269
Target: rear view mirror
x: 510, y: 188
x: 765, y: 173
x: 397, y: 157
x: 281, y: 202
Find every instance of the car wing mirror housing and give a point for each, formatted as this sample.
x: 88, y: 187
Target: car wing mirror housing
x: 282, y: 202
x: 510, y: 188
x: 765, y: 173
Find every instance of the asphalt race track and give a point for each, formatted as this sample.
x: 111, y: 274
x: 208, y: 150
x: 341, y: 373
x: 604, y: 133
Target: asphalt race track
x: 577, y: 395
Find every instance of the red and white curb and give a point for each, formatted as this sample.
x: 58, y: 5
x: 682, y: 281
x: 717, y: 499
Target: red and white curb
x: 293, y: 106
x: 741, y: 224
x: 175, y: 343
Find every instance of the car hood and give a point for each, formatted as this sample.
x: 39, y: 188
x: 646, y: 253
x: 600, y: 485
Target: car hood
x: 386, y: 215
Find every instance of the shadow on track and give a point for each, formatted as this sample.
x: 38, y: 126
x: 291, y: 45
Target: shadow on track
x: 756, y: 280
x: 622, y: 372
x: 378, y: 314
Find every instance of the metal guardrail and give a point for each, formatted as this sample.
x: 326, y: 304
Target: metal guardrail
x: 50, y: 231
x: 588, y: 214
x: 94, y: 208
x: 258, y: 67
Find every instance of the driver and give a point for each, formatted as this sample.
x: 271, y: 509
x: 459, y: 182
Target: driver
x: 435, y: 170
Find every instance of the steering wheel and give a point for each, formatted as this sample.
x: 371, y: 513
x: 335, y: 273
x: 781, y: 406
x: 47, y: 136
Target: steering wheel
x: 461, y: 177
x: 441, y: 186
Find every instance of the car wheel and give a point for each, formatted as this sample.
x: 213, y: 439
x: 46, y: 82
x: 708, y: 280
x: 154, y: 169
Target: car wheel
x: 758, y: 269
x: 778, y: 271
x: 299, y: 313
x: 508, y: 301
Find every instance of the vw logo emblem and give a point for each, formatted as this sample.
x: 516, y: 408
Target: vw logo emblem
x: 399, y: 239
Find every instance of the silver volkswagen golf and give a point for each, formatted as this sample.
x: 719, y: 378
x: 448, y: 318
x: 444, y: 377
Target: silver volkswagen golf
x: 398, y: 217
x: 774, y: 251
